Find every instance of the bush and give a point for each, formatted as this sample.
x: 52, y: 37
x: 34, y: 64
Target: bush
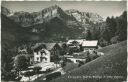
x: 9, y: 76
x: 28, y: 73
x: 63, y: 64
x: 37, y: 69
x: 53, y: 76
x: 103, y: 42
x: 88, y: 58
x: 114, y: 40
x: 21, y: 62
x: 80, y: 63
x: 49, y: 70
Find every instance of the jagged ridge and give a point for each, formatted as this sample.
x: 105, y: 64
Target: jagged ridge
x: 54, y: 22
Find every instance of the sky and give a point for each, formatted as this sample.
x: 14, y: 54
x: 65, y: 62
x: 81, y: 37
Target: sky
x: 103, y: 8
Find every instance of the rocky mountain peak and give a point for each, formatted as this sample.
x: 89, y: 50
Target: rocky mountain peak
x: 52, y: 7
x: 28, y: 19
x: 56, y: 18
x: 5, y: 11
x: 84, y: 17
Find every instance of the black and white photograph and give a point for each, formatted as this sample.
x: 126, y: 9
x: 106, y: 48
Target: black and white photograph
x: 64, y: 41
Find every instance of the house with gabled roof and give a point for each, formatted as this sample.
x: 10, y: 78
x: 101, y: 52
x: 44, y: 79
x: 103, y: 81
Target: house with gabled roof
x: 41, y: 54
x: 43, y: 51
x: 90, y: 44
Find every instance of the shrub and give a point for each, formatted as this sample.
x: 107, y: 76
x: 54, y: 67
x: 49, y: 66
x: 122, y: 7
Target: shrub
x: 37, y: 69
x: 103, y: 42
x: 114, y: 39
x: 80, y: 63
x: 53, y: 75
x: 28, y: 73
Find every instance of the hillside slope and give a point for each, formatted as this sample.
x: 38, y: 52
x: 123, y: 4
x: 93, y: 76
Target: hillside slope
x: 112, y: 67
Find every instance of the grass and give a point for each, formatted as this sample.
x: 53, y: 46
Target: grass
x: 112, y: 67
x: 70, y: 66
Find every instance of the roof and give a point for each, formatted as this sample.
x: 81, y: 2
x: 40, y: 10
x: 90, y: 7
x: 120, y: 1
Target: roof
x: 90, y: 43
x: 36, y: 46
x: 78, y: 40
x: 49, y: 46
x: 61, y: 43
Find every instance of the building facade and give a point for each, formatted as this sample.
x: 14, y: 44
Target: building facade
x: 42, y: 55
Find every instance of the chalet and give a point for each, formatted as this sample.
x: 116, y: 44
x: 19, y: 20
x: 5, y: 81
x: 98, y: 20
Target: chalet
x: 90, y: 45
x: 43, y: 51
x: 41, y: 54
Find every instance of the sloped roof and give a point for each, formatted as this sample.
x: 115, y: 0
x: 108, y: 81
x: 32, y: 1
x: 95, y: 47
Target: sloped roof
x: 49, y: 46
x: 60, y: 44
x: 36, y: 46
x: 90, y: 43
x: 69, y: 41
x: 78, y: 40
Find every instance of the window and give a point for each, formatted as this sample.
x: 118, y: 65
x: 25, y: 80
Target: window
x: 37, y: 58
x: 77, y: 60
x: 37, y: 53
x: 42, y: 52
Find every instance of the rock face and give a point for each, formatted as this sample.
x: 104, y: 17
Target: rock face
x: 5, y: 11
x: 28, y: 19
x: 85, y: 18
x: 55, y: 22
x: 13, y: 32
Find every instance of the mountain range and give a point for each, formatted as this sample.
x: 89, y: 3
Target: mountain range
x: 54, y: 23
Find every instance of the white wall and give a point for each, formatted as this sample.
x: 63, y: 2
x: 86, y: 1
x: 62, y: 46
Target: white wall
x: 38, y: 55
x: 75, y: 59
